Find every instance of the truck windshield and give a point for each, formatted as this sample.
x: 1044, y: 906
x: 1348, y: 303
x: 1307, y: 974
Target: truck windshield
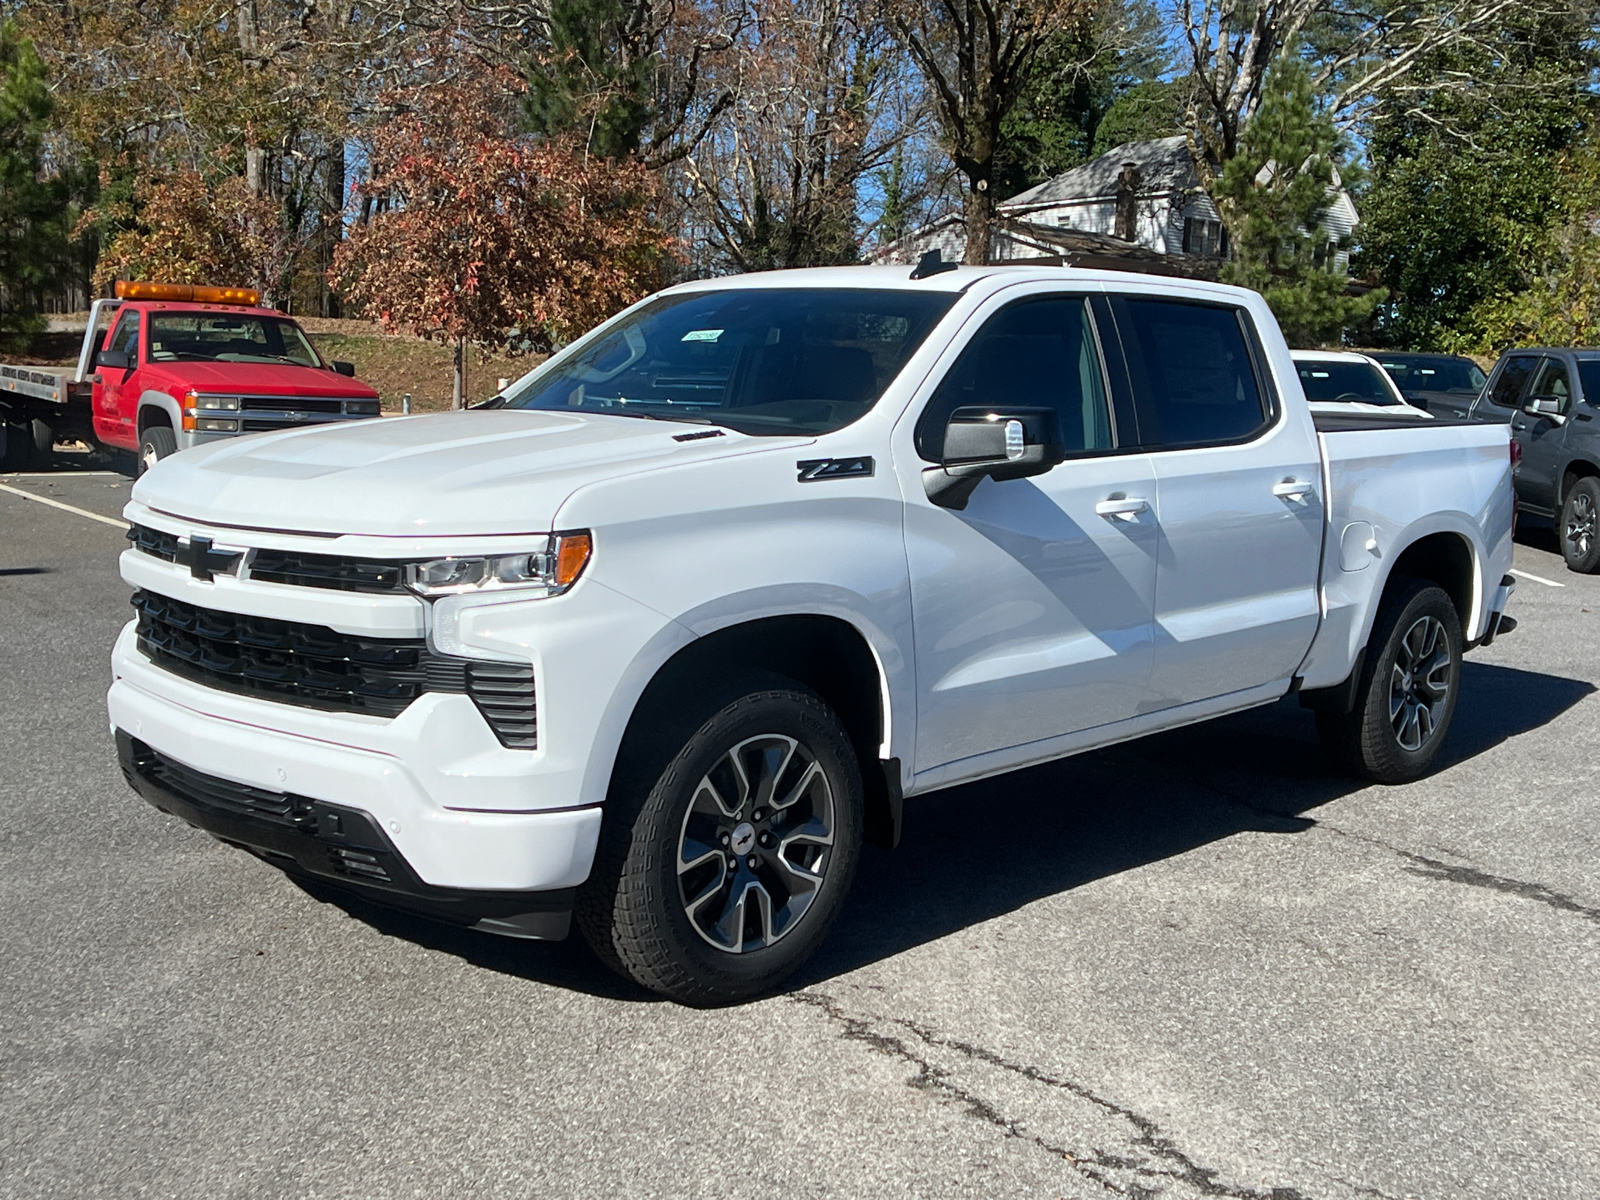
x: 759, y: 360
x: 1351, y: 382
x: 228, y: 337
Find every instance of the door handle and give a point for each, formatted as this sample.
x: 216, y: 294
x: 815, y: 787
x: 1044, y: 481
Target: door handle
x: 1123, y: 507
x: 1292, y: 489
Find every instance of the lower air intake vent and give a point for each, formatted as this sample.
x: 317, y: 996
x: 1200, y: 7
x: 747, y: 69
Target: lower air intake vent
x: 504, y: 695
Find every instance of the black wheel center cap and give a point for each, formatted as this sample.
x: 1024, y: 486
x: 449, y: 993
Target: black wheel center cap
x: 744, y: 838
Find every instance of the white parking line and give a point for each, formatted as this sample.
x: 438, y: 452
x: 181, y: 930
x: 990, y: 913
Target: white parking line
x: 54, y: 474
x: 1536, y: 578
x: 82, y: 512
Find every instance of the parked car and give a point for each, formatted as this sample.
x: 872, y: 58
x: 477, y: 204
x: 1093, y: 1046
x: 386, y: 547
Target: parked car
x: 1551, y: 397
x: 1445, y: 384
x: 660, y: 638
x: 167, y: 366
x: 1340, y: 381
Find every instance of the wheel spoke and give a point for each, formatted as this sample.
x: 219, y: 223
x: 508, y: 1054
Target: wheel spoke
x: 1419, y: 683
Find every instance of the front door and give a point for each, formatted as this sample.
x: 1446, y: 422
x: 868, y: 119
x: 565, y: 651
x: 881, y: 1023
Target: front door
x: 1239, y: 501
x: 1543, y: 438
x: 1032, y: 606
x: 116, y: 402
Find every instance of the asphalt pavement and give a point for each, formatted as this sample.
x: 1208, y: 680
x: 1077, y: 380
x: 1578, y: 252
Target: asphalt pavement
x: 1197, y: 965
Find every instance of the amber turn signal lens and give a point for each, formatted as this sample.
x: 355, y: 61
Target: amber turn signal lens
x: 572, y: 554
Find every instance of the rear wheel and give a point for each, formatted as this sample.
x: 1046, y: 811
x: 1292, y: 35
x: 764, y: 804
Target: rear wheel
x: 158, y: 442
x: 719, y: 877
x: 1407, y: 694
x: 1577, y: 526
x: 16, y: 447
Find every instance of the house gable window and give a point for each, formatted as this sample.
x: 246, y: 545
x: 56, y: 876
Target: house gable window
x: 1204, y: 238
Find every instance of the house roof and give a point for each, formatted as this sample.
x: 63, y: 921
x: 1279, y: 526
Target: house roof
x: 1165, y: 165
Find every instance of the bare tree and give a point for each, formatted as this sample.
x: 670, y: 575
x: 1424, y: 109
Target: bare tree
x: 1373, y: 49
x: 976, y: 56
x: 776, y: 181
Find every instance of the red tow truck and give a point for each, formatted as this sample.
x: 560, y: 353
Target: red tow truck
x: 167, y: 366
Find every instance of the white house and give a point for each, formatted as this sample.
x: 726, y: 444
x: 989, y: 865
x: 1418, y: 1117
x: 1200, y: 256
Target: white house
x: 1140, y: 203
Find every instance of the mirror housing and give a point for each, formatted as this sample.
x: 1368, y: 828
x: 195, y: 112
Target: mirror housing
x: 112, y: 360
x: 1544, y: 406
x: 1007, y: 442
x: 343, y: 368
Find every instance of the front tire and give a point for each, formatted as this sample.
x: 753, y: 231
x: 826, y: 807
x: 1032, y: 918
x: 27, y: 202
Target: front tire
x: 158, y: 442
x: 718, y: 878
x: 1407, y: 695
x: 1579, y: 526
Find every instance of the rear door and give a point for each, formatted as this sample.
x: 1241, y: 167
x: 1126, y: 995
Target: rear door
x: 1543, y: 438
x: 1032, y: 605
x: 1239, y: 505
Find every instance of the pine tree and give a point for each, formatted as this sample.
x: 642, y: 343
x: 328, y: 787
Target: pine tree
x: 31, y: 237
x: 593, y: 80
x: 1273, y: 197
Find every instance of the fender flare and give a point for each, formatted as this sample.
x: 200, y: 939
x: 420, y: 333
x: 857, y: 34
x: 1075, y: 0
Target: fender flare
x: 151, y: 398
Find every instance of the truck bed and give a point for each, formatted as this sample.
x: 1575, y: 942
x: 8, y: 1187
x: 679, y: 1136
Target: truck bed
x: 53, y: 384
x: 1390, y: 481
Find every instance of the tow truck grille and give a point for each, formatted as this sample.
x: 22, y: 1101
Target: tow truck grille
x: 316, y: 667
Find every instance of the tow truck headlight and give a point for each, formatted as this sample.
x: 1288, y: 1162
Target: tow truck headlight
x: 547, y: 572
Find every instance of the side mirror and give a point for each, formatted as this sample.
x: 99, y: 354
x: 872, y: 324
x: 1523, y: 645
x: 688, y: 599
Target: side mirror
x: 343, y: 368
x: 994, y: 443
x: 112, y: 360
x: 1544, y: 406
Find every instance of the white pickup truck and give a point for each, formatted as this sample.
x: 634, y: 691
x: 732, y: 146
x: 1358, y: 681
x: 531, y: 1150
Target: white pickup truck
x: 662, y: 635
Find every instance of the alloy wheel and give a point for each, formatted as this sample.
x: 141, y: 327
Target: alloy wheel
x: 1419, y: 683
x: 756, y: 843
x: 1580, y: 525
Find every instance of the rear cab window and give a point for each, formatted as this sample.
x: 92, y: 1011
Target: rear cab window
x: 1196, y: 372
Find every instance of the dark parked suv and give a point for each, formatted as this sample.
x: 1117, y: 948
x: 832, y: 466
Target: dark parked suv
x: 1444, y: 384
x: 1551, y: 397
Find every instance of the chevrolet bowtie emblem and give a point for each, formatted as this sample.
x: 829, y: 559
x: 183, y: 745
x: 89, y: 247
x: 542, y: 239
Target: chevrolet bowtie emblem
x: 203, y: 560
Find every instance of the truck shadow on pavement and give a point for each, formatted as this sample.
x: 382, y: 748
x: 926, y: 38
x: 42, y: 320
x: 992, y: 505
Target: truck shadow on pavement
x: 977, y: 852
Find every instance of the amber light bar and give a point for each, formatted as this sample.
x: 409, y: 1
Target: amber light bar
x: 198, y: 293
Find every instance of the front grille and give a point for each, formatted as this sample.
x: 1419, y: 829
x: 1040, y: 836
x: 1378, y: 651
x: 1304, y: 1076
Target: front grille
x: 290, y: 404
x: 332, y: 571
x: 314, y: 666
x: 327, y: 571
x: 156, y: 542
x: 279, y: 807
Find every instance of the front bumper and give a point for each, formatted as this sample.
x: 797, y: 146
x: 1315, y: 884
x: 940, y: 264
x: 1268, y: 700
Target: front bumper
x: 334, y: 843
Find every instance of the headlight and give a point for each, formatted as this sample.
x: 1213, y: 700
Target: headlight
x: 548, y: 572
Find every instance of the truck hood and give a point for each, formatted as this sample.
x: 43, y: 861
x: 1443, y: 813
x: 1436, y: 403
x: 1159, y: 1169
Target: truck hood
x: 261, y: 379
x: 444, y: 474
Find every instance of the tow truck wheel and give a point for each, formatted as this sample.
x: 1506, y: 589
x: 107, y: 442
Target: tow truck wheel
x: 1579, y: 526
x: 1408, y: 689
x: 716, y: 879
x: 157, y: 442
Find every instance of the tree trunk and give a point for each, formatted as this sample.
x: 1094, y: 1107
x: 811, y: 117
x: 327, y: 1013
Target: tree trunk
x: 332, y: 224
x: 458, y: 386
x: 977, y: 213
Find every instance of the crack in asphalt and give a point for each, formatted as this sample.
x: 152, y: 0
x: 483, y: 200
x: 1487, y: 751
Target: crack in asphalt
x: 1432, y: 868
x: 1181, y: 1169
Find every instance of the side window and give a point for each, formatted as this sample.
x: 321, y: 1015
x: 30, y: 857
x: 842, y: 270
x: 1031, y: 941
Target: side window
x: 1193, y: 374
x: 126, y: 337
x: 1554, y: 381
x: 1036, y: 353
x: 1513, y: 377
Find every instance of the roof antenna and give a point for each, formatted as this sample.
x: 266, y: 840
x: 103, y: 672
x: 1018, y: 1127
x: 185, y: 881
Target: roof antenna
x: 932, y: 263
